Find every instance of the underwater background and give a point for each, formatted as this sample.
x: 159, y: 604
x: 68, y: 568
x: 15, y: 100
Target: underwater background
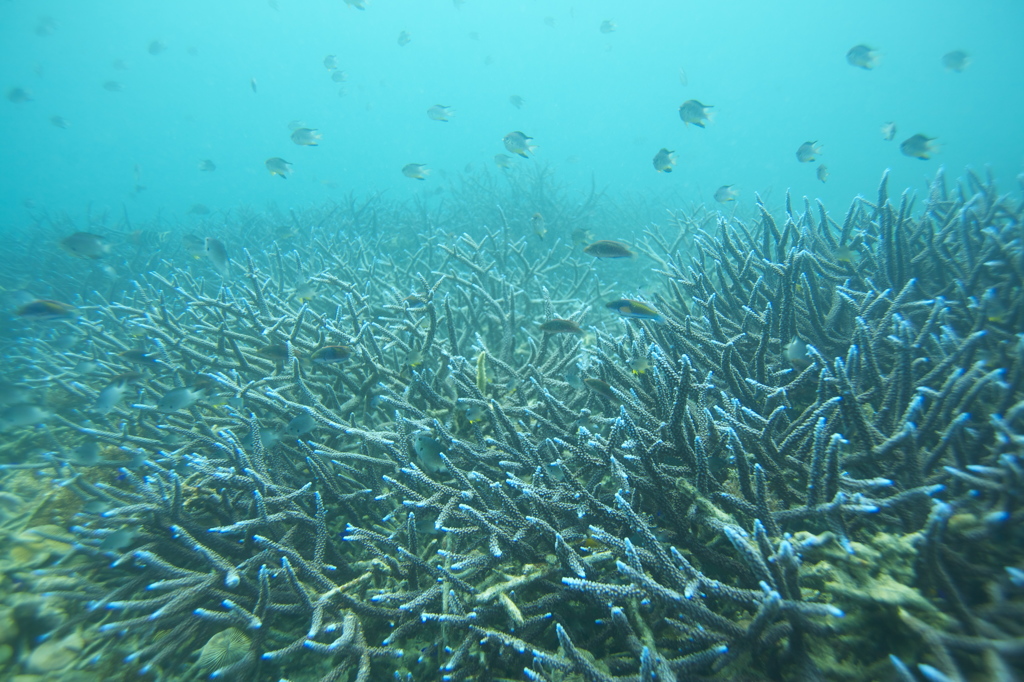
x: 433, y: 340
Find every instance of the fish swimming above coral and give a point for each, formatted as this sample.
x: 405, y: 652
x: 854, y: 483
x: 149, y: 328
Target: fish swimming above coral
x: 919, y: 147
x: 664, y: 160
x: 519, y: 143
x: 608, y: 248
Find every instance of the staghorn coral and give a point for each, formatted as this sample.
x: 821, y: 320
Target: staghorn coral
x: 730, y: 514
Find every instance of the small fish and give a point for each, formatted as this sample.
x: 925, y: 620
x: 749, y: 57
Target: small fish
x: 416, y: 171
x: 427, y: 450
x: 863, y: 57
x: 19, y: 95
x: 305, y: 292
x: 414, y: 358
x: 254, y: 85
x: 86, y: 245
x: 692, y: 111
x: 560, y: 326
x: 608, y: 248
x: 796, y: 353
x: 117, y: 540
x: 207, y: 166
x: 156, y: 47
x: 60, y: 122
x: 193, y: 245
x: 503, y: 161
x: 111, y: 394
x: 217, y: 253
x: 45, y: 310
x: 278, y: 166
x: 846, y: 254
x: 639, y: 365
x: 549, y: 21
x: 275, y: 352
x: 339, y: 76
x: 822, y: 172
x: 889, y: 131
x: 664, y: 160
x: 198, y: 209
x: 306, y: 137
x: 627, y: 307
x: 358, y: 4
x: 404, y: 38
x: 538, y: 226
x: 330, y: 62
x: 475, y: 413
x: 608, y: 26
x: 919, y: 146
x: 683, y: 80
x: 726, y: 193
x: 439, y: 112
x: 519, y: 143
x: 139, y: 357
x: 301, y: 425
x: 602, y: 388
x: 21, y: 415
x: 807, y: 152
x: 179, y: 399
x: 331, y: 354
x: 516, y: 101
x: 957, y: 61
x: 112, y: 86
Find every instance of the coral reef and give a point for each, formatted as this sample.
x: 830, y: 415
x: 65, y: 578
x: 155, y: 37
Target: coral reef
x: 809, y: 467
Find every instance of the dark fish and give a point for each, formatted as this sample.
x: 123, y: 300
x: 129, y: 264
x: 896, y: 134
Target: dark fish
x: 278, y: 166
x: 331, y: 354
x: 808, y: 151
x: 306, y: 137
x: 560, y: 326
x: 519, y: 143
x: 275, y: 352
x: 516, y: 101
x: 957, y: 60
x: 608, y: 248
x: 19, y: 95
x: 664, y: 160
x: 692, y: 111
x: 85, y: 245
x: 218, y: 255
x: 139, y: 357
x: 300, y: 426
x: 602, y: 388
x: 919, y: 146
x: 45, y: 310
x: 627, y: 307
x: 179, y: 399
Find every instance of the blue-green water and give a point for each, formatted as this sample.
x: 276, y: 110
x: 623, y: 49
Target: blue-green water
x: 355, y: 426
x: 598, y: 104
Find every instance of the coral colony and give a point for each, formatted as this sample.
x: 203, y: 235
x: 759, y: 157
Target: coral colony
x: 807, y: 464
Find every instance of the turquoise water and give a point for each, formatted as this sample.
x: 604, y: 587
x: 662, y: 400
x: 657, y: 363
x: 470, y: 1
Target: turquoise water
x: 355, y: 426
x: 598, y: 105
